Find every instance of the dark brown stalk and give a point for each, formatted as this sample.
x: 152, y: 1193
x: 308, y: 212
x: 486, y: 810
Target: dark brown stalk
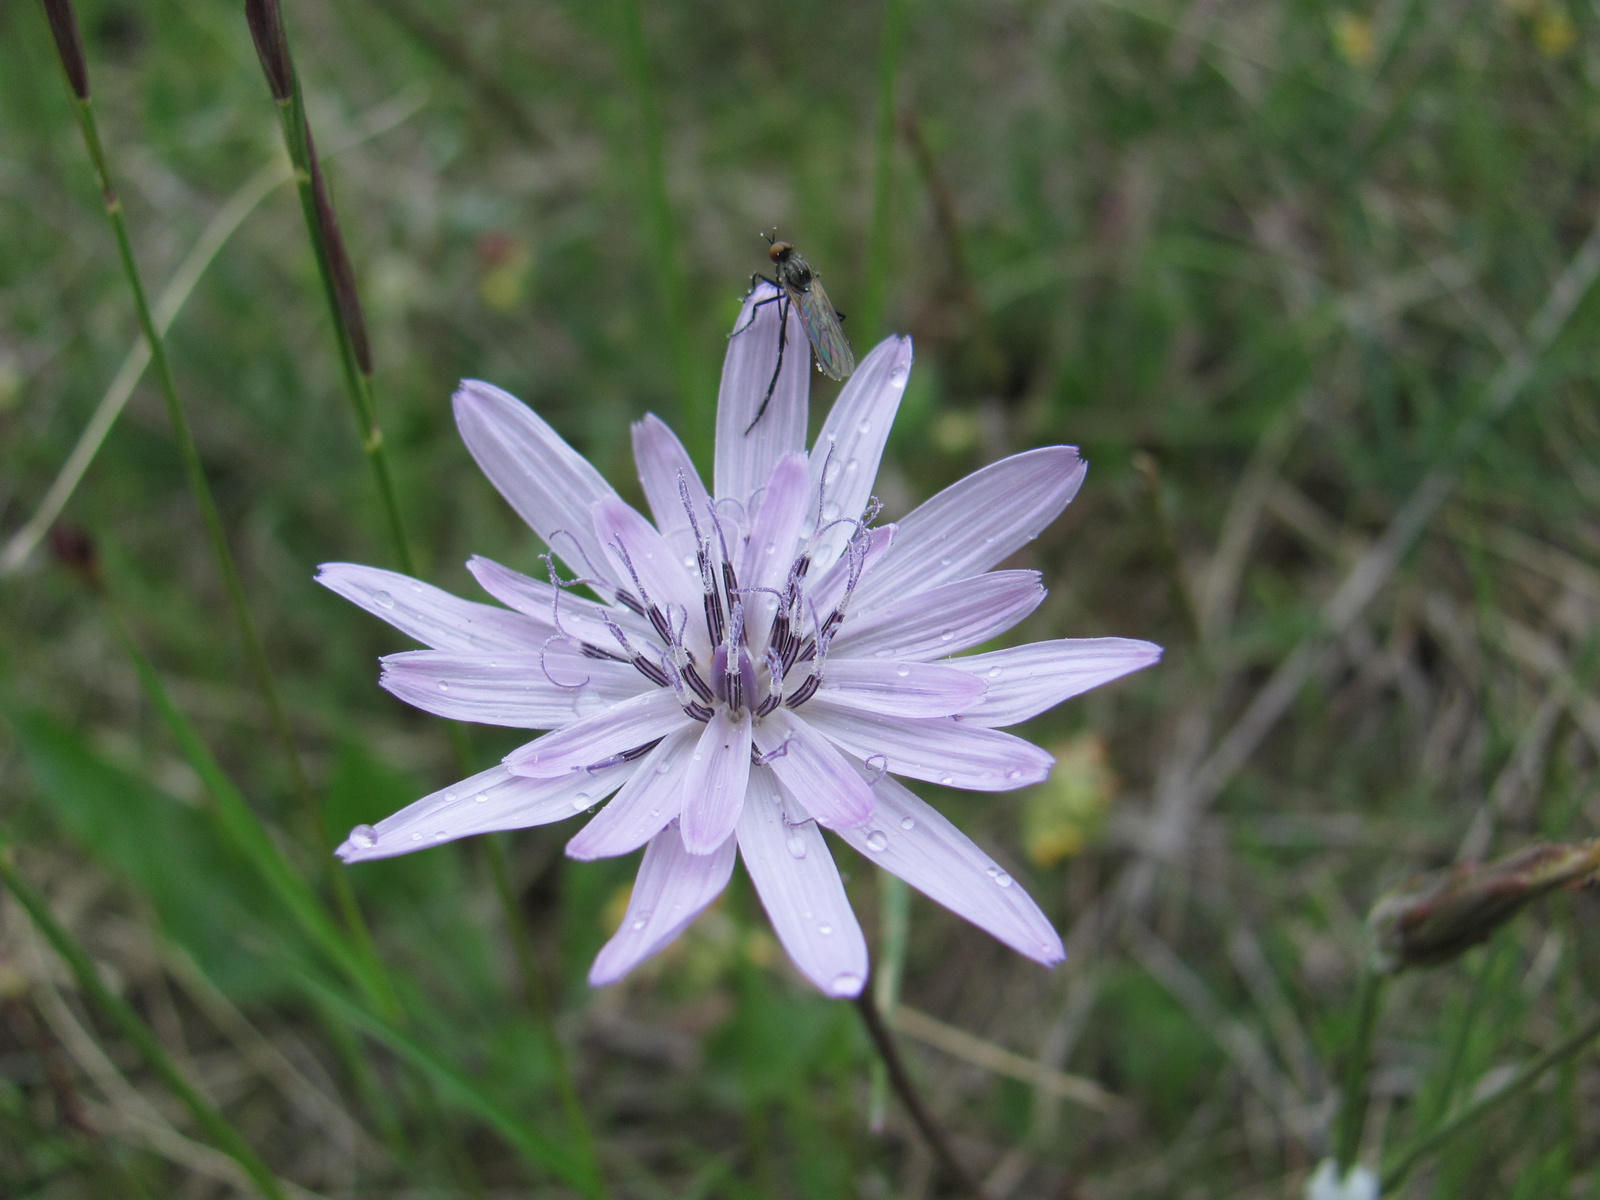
x: 900, y: 1078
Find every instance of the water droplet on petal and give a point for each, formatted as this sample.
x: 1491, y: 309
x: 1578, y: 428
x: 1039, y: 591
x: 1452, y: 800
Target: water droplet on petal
x: 898, y: 376
x: 1003, y: 879
x: 439, y: 835
x: 481, y: 798
x: 443, y: 686
x: 663, y: 767
x: 908, y: 824
x: 991, y: 870
x: 877, y: 841
x: 947, y: 780
x: 944, y: 562
x: 772, y: 548
x: 864, y: 427
x: 947, y: 635
x: 580, y: 802
x: 825, y: 930
x: 796, y: 844
x: 996, y: 672
x: 846, y: 984
x: 416, y: 837
x: 902, y: 670
x: 364, y: 836
x: 383, y: 599
x: 1014, y: 773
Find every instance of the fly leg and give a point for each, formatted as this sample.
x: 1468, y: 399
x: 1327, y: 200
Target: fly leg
x: 783, y: 338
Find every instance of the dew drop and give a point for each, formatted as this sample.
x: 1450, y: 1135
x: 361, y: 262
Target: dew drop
x: 580, y: 802
x: 439, y: 835
x: 825, y: 930
x: 481, y: 798
x: 663, y: 767
x: 1014, y: 773
x: 877, y: 841
x: 902, y: 670
x: 944, y: 562
x: 847, y: 984
x: 416, y: 837
x: 639, y: 924
x: 1003, y: 879
x: 908, y: 824
x: 383, y: 599
x: 991, y: 870
x: 947, y: 635
x: 443, y: 686
x: 898, y: 376
x: 830, y: 511
x: 864, y: 427
x: 796, y: 844
x: 772, y: 547
x: 996, y: 672
x: 853, y: 465
x: 364, y: 836
x: 947, y: 780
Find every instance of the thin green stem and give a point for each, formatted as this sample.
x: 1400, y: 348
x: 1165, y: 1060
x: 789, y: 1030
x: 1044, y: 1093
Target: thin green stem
x: 255, y: 651
x: 538, y: 997
x: 1352, y: 1117
x: 327, y: 248
x: 879, y: 250
x: 216, y: 1126
x: 1395, y: 1174
x: 662, y: 251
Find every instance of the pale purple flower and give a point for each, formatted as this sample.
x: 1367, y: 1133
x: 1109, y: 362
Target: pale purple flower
x: 762, y: 664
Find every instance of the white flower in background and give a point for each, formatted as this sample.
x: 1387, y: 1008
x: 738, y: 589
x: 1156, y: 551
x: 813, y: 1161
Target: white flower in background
x: 761, y: 665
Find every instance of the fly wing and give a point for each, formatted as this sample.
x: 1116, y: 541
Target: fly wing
x: 835, y: 359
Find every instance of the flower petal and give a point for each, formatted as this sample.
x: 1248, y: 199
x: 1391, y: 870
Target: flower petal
x: 649, y: 563
x: 852, y: 440
x: 579, y: 746
x: 491, y: 800
x: 428, y: 614
x: 941, y: 620
x: 911, y: 839
x: 940, y: 750
x: 976, y: 522
x: 800, y: 888
x: 811, y: 770
x: 713, y: 793
x: 557, y: 610
x: 770, y: 550
x: 524, y: 691
x: 662, y: 462
x: 1026, y: 680
x: 745, y: 460
x: 552, y: 486
x: 904, y: 689
x: 672, y: 888
x: 649, y: 800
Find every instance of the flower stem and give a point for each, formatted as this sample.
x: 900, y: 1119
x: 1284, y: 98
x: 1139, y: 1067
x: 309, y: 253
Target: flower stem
x: 1395, y: 1174
x: 900, y: 1078
x: 1352, y: 1117
x: 539, y: 1001
x: 216, y: 1126
x: 894, y: 902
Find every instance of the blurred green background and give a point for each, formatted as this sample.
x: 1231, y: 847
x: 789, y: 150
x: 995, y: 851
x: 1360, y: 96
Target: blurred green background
x: 1271, y: 265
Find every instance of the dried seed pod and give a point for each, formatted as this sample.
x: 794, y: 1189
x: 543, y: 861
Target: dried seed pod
x: 1435, y: 918
x: 265, y: 18
x: 69, y: 44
